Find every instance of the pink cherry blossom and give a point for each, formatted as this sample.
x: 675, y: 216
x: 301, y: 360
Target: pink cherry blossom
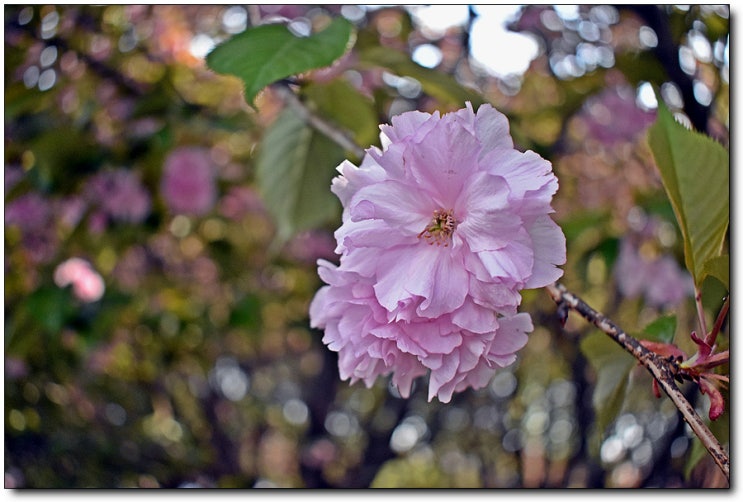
x: 87, y: 284
x: 442, y: 228
x: 188, y: 181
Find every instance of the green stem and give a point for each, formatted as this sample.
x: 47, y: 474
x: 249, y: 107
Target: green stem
x: 700, y: 312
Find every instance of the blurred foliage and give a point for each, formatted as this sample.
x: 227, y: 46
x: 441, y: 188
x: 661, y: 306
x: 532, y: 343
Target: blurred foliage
x: 197, y: 368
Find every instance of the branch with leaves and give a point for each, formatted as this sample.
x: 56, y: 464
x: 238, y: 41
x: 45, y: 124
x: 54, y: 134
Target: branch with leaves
x: 666, y: 363
x: 665, y: 370
x: 683, y: 158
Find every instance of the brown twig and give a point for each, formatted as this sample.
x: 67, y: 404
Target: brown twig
x: 661, y: 370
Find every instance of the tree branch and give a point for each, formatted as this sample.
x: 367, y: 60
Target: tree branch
x: 328, y: 129
x: 667, y: 53
x: 654, y: 363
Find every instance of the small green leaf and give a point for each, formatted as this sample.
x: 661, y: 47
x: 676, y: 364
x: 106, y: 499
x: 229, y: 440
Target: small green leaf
x: 612, y: 366
x: 265, y: 54
x: 695, y: 171
x: 662, y: 329
x: 718, y: 267
x: 294, y: 169
x: 441, y: 86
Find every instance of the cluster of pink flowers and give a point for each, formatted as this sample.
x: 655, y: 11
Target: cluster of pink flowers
x: 188, y: 181
x: 87, y: 284
x: 442, y: 228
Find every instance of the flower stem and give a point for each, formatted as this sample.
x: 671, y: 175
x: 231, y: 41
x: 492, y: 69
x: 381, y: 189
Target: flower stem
x: 712, y: 335
x: 660, y: 369
x: 700, y: 312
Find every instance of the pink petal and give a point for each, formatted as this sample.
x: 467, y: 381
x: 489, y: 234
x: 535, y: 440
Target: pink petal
x: 406, y: 274
x: 405, y: 210
x: 474, y: 318
x: 432, y: 340
x: 408, y: 126
x: 442, y: 376
x: 511, y: 335
x: 448, y: 287
x: 492, y: 129
x: 548, y: 243
x: 513, y: 262
x: 443, y: 169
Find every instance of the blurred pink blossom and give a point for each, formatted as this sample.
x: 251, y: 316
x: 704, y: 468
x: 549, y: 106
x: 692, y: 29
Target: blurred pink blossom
x: 87, y: 284
x: 13, y: 175
x: 120, y: 194
x: 441, y: 230
x: 15, y: 368
x: 310, y: 246
x: 658, y: 278
x: 30, y: 212
x: 70, y: 210
x: 132, y: 268
x: 188, y: 185
x: 613, y: 116
x: 240, y: 201
x: 33, y: 215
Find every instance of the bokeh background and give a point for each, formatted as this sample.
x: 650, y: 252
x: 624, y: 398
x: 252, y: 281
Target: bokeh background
x: 156, y: 331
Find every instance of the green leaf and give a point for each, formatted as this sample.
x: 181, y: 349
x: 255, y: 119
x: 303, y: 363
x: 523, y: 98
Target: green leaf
x: 612, y: 365
x: 294, y: 169
x: 662, y: 329
x: 340, y: 102
x: 695, y: 171
x: 265, y: 54
x: 441, y: 86
x: 718, y: 267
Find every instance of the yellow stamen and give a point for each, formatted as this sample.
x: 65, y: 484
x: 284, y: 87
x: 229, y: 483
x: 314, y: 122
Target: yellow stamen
x: 440, y: 229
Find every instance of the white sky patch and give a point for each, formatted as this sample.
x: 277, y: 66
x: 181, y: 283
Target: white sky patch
x: 646, y: 96
x: 427, y: 55
x: 567, y: 12
x: 500, y: 51
x: 201, y: 44
x: 436, y: 19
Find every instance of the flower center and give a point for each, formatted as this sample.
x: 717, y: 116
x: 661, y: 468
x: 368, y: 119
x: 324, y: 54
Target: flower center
x: 440, y: 229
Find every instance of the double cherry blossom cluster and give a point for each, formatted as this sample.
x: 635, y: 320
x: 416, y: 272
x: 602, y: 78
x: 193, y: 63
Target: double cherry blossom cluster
x: 442, y: 228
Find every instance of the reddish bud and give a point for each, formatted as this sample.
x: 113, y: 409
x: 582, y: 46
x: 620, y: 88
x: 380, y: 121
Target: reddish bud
x: 717, y: 403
